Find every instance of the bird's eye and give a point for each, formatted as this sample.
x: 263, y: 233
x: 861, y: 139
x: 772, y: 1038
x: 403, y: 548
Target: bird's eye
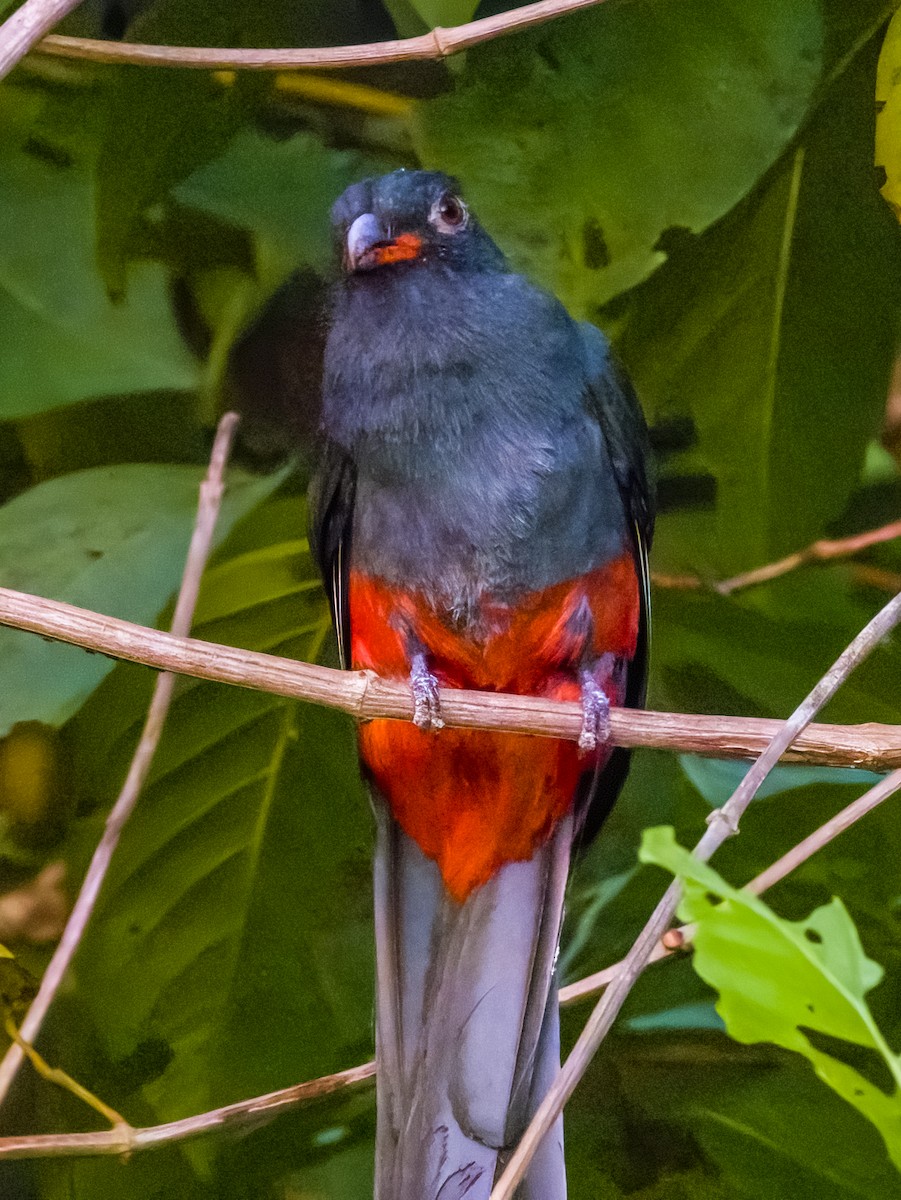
x: 449, y: 214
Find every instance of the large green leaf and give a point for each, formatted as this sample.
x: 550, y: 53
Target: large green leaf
x: 731, y: 655
x: 772, y: 1135
x: 112, y: 539
x: 798, y: 984
x: 583, y: 142
x: 147, y: 146
x: 775, y: 333
x: 234, y: 926
x: 768, y: 1127
x: 281, y: 191
x: 61, y: 338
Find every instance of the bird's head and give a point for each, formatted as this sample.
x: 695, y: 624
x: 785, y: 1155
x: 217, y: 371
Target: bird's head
x: 406, y: 220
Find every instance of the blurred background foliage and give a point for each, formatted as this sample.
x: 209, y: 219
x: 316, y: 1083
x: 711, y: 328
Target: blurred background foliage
x: 696, y: 176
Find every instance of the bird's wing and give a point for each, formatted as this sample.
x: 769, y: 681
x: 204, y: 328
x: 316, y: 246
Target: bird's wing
x: 611, y: 399
x: 331, y: 501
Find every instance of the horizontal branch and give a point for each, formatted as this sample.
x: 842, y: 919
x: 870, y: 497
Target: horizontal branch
x: 249, y: 1113
x: 366, y: 696
x: 722, y: 823
x: 437, y: 44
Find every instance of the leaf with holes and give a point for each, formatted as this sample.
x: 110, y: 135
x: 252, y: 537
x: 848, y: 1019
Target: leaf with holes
x: 798, y: 984
x: 760, y: 331
x: 234, y: 927
x: 582, y: 142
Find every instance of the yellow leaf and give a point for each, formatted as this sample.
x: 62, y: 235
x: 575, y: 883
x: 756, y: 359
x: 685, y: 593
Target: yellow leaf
x: 888, y: 120
x: 28, y: 772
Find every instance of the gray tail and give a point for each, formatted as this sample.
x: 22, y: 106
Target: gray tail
x: 467, y: 1027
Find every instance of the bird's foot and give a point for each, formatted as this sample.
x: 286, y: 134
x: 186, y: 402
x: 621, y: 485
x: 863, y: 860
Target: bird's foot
x: 426, y: 704
x: 595, y: 714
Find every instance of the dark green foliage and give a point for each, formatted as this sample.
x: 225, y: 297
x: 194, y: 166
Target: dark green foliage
x: 695, y: 177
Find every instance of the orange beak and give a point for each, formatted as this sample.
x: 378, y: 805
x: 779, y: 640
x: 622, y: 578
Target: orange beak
x: 369, y: 245
x: 400, y: 249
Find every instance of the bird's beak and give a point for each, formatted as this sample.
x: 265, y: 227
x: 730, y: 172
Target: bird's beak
x: 368, y: 245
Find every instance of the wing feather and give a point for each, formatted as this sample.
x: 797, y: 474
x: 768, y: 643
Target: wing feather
x: 611, y: 398
x: 331, y: 501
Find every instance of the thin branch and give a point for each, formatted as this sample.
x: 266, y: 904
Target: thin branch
x: 678, y: 939
x: 26, y: 26
x: 826, y: 833
x: 437, y: 44
x: 260, y: 1109
x: 876, y: 577
x: 824, y: 550
x: 201, y: 541
x: 366, y: 696
x: 722, y: 824
x: 125, y: 1140
x: 59, y: 1077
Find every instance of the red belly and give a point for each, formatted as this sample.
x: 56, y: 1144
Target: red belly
x: 473, y: 800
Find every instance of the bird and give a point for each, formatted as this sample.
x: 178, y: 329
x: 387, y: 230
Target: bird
x: 481, y: 514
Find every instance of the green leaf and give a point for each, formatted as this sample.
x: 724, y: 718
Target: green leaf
x: 716, y: 779
x: 112, y: 539
x: 235, y: 924
x: 407, y: 21
x: 770, y: 1145
x: 768, y: 1128
x: 700, y: 1015
x: 760, y: 332
x: 148, y: 146
x: 746, y: 655
x: 62, y: 339
x: 888, y: 119
x: 798, y: 984
x: 585, y: 908
x: 445, y: 12
x: 280, y: 191
x: 634, y: 83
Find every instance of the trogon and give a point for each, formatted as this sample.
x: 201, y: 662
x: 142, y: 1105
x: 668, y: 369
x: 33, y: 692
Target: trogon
x: 481, y: 516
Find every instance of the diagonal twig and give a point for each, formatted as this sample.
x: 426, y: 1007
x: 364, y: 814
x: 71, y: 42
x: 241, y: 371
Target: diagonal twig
x: 366, y: 696
x: 125, y: 1140
x: 437, y: 44
x: 722, y: 824
x: 677, y: 939
x: 823, y: 550
x: 26, y: 26
x: 201, y: 541
x: 246, y: 1113
x: 826, y: 833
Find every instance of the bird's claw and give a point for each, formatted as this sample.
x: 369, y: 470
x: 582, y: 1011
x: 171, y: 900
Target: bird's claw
x: 426, y: 703
x: 595, y: 715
